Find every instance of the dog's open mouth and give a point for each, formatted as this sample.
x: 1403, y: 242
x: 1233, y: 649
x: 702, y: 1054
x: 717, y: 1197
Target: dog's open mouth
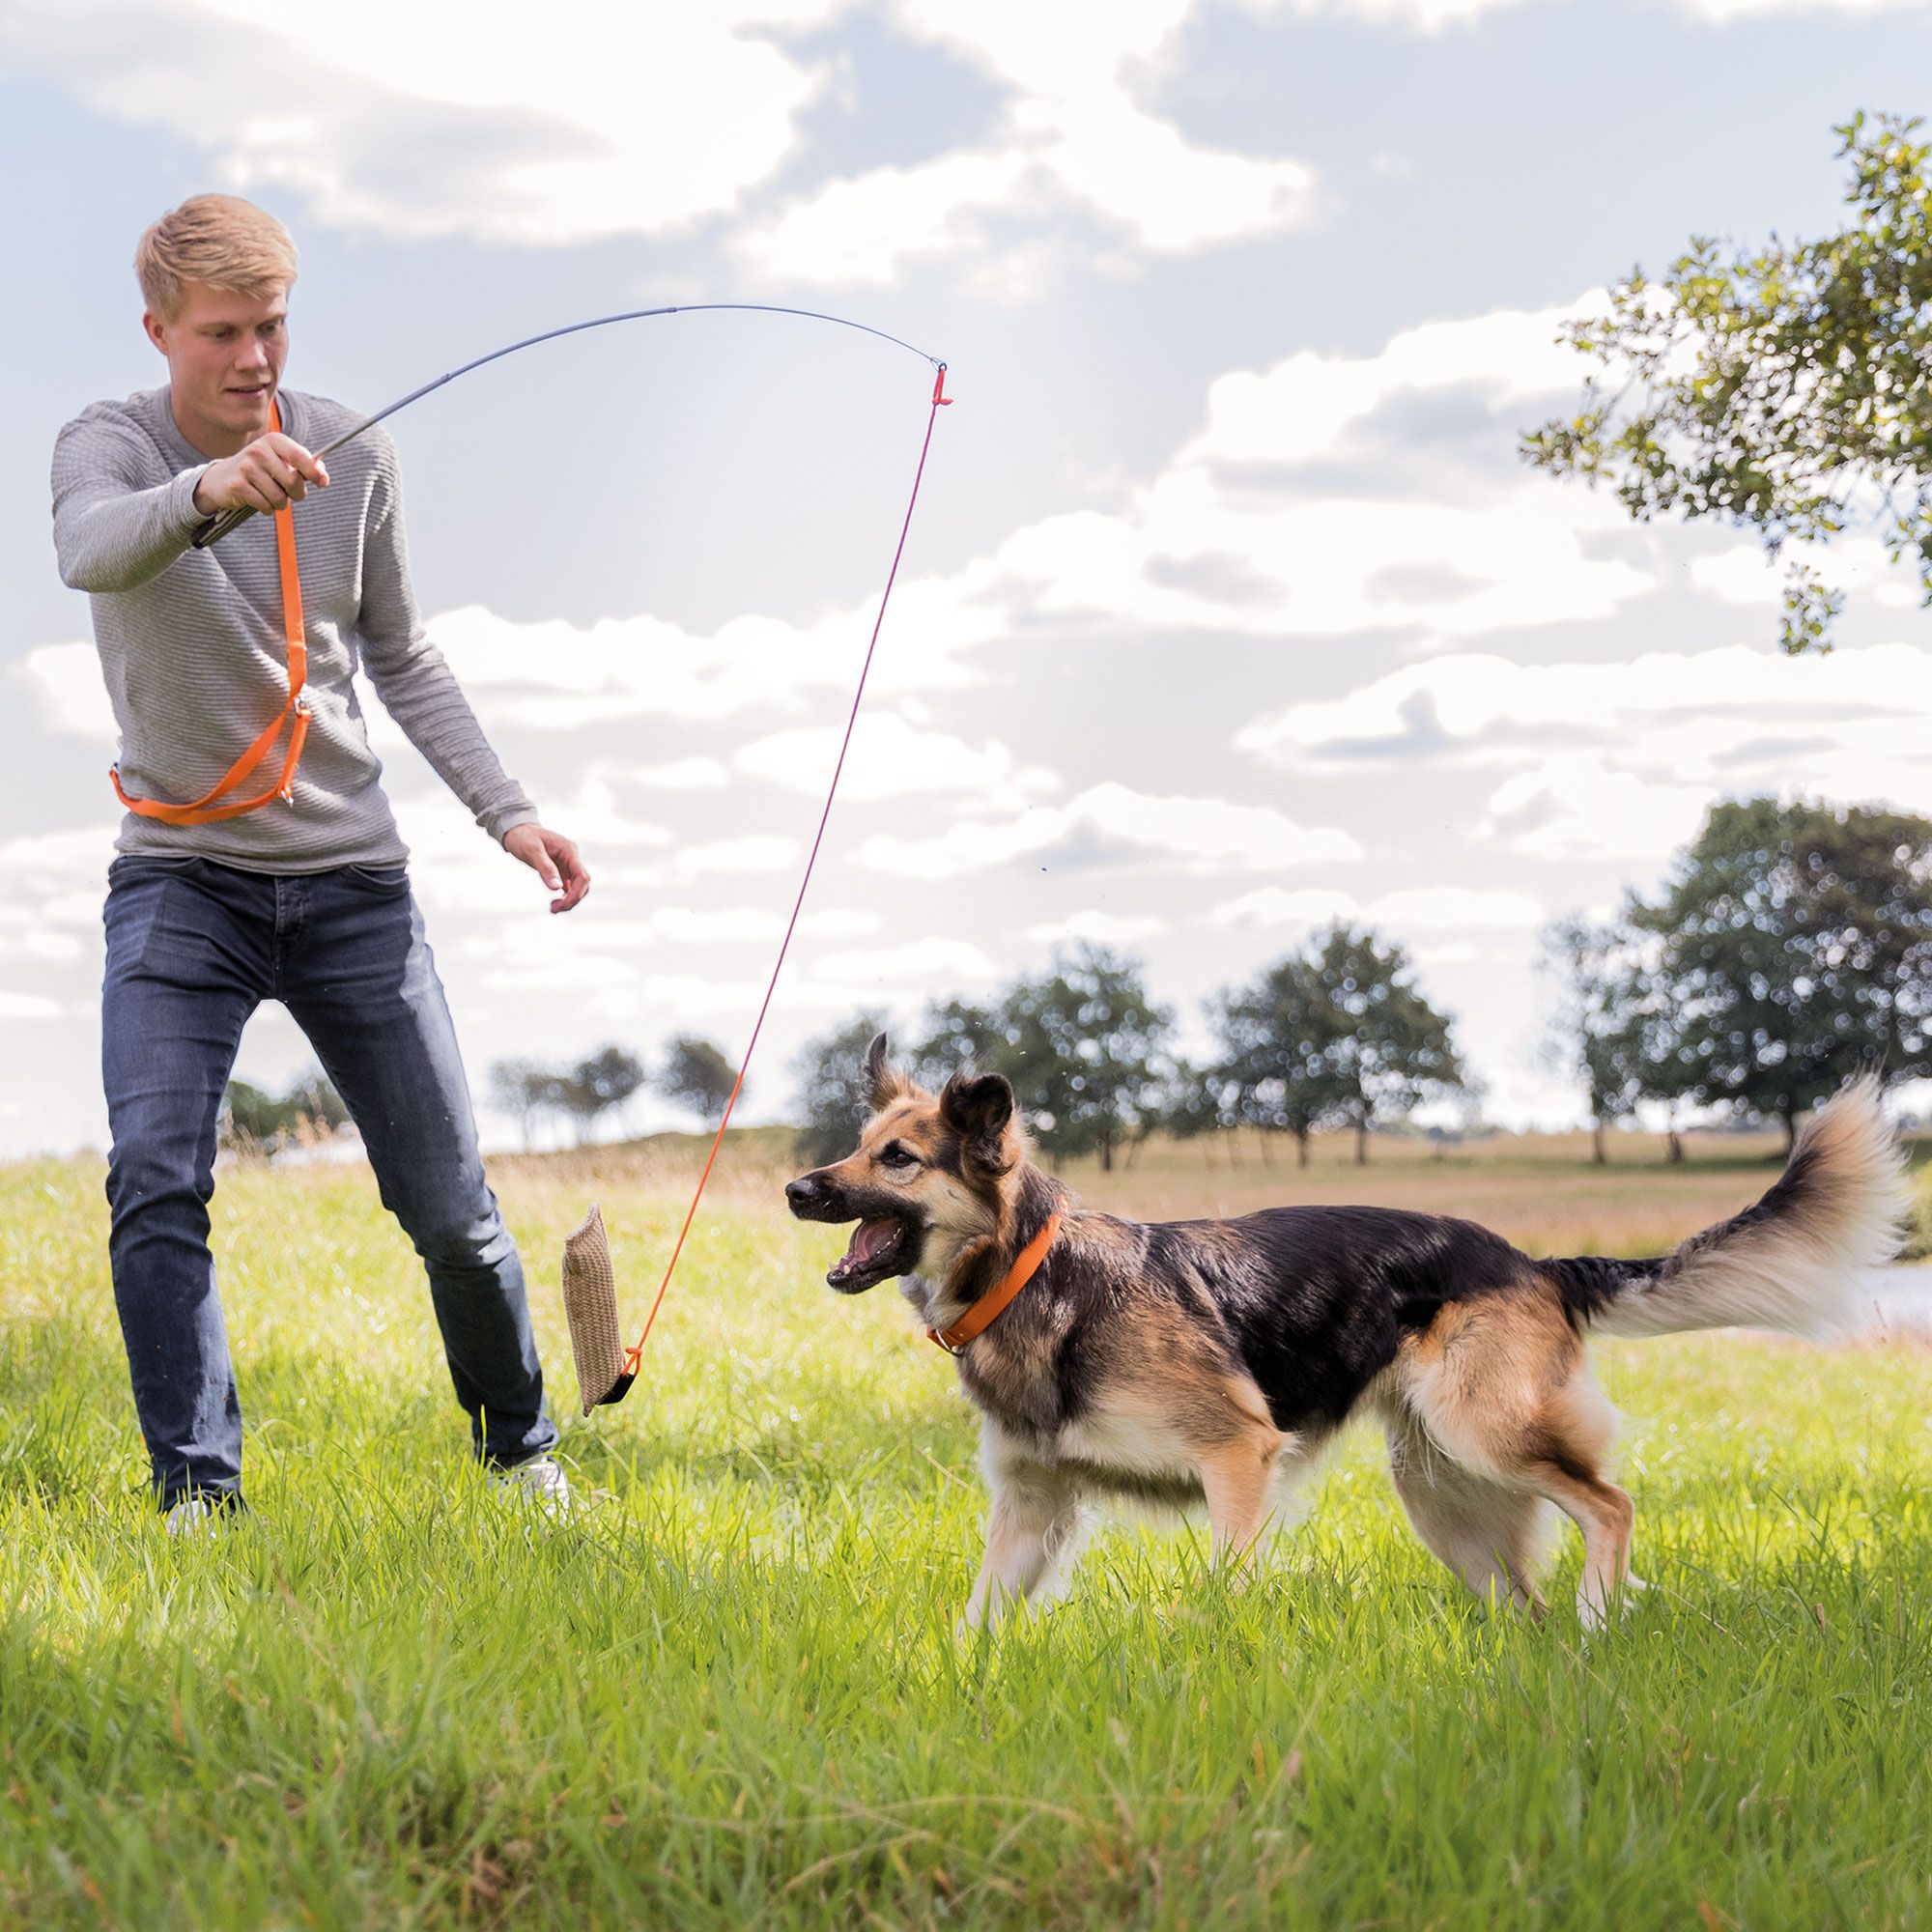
x: 874, y: 1253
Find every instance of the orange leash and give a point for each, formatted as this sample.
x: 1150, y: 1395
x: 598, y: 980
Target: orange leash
x: 980, y: 1317
x: 203, y: 809
x: 634, y: 1354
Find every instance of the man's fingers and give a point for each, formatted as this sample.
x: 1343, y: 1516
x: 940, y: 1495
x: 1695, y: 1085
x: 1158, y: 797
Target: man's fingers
x: 292, y: 459
x: 576, y: 879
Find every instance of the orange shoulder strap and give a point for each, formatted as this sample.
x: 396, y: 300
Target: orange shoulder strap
x: 980, y: 1315
x: 208, y: 806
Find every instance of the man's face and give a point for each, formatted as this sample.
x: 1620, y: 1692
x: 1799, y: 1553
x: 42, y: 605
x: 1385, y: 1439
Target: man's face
x: 225, y: 354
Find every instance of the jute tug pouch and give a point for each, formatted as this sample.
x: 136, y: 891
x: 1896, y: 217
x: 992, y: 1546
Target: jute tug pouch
x: 590, y: 1306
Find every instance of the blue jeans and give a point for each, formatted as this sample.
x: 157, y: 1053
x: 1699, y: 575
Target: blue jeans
x: 192, y: 949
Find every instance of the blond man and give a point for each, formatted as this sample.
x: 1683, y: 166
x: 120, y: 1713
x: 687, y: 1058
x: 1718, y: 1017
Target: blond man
x: 290, y: 881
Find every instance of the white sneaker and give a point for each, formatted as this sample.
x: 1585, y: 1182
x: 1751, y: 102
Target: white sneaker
x: 540, y: 1481
x: 195, y: 1516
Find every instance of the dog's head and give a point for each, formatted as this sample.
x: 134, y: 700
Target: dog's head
x: 931, y: 1174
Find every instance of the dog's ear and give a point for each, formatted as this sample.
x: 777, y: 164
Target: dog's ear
x: 980, y: 1109
x: 884, y: 1083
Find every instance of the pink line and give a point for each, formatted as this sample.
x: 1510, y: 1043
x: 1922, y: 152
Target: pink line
x: 636, y: 1355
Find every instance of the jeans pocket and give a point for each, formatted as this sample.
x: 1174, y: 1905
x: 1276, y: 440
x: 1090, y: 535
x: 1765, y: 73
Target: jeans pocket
x: 390, y: 880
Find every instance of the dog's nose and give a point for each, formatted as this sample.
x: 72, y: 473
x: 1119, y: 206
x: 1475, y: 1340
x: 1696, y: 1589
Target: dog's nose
x: 802, y: 1192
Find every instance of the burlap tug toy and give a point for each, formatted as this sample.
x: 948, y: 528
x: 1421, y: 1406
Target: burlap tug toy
x: 605, y: 1371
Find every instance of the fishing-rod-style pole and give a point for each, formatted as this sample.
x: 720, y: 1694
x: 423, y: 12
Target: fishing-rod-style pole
x: 217, y: 526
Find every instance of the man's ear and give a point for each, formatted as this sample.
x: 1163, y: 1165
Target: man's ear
x: 884, y: 1083
x: 979, y: 1109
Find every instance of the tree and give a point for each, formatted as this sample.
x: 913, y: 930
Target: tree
x: 1346, y: 1032
x: 1796, y: 940
x: 1621, y: 1023
x: 830, y: 1072
x: 1280, y: 1067
x: 1086, y: 1051
x: 251, y: 1119
x: 525, y: 1089
x: 254, y: 1121
x: 1595, y: 1024
x: 960, y: 1034
x: 696, y: 1074
x: 1782, y: 389
x: 602, y: 1082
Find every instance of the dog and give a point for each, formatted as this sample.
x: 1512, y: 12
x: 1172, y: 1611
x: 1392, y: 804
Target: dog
x: 1176, y: 1363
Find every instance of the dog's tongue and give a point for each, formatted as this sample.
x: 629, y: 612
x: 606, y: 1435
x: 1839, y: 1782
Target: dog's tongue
x: 870, y: 1241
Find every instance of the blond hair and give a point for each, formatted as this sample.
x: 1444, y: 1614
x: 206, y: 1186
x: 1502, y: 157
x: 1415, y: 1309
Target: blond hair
x: 219, y: 239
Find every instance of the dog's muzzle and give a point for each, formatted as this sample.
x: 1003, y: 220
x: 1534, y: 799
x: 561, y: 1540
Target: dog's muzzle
x: 882, y: 1245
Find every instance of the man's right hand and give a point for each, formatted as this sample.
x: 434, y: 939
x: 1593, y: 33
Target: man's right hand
x: 272, y: 471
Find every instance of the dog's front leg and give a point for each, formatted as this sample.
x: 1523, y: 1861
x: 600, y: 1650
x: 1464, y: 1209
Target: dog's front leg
x: 1237, y: 1479
x: 1033, y: 1532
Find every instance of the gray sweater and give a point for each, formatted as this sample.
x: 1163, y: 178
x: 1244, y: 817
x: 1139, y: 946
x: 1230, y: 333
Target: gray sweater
x: 193, y: 647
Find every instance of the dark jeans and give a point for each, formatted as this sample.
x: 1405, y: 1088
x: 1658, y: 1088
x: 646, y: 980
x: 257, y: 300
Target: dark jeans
x: 192, y: 949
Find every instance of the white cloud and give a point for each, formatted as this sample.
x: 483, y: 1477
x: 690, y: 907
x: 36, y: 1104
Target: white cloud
x: 1073, y: 137
x: 920, y: 963
x: 1722, y: 13
x: 1426, y: 16
x: 65, y: 687
x: 584, y: 121
x: 1408, y: 908
x: 693, y: 773
x: 1471, y: 706
x: 1578, y: 808
x: 551, y: 676
x: 1109, y: 820
x: 889, y: 758
x: 1857, y: 565
x: 1103, y: 928
x: 1438, y: 537
x: 27, y: 1006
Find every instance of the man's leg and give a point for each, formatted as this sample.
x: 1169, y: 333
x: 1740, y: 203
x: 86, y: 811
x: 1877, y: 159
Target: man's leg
x: 358, y: 977
x: 185, y: 958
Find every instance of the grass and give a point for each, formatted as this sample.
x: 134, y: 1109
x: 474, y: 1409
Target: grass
x: 730, y: 1695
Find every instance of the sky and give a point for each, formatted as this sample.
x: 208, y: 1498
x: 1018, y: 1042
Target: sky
x: 1230, y: 607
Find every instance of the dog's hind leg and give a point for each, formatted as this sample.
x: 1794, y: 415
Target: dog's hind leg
x: 1502, y: 1386
x: 1492, y: 1536
x: 1032, y: 1535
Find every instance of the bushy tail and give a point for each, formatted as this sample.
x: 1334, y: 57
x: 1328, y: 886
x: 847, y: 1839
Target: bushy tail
x: 1792, y: 1261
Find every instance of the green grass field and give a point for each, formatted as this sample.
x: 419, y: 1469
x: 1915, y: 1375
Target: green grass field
x: 730, y: 1694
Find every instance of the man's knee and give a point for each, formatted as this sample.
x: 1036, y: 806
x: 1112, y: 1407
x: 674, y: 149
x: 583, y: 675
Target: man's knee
x: 473, y: 1239
x: 158, y: 1171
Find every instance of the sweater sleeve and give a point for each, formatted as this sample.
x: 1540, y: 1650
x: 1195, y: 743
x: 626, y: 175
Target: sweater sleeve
x: 416, y: 684
x: 111, y: 533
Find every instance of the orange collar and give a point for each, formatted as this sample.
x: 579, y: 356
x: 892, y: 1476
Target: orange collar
x: 982, y: 1313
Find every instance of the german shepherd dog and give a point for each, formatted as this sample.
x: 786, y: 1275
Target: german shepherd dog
x: 1179, y: 1362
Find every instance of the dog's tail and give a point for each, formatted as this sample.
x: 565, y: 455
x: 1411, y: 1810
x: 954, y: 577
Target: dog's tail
x: 1792, y: 1261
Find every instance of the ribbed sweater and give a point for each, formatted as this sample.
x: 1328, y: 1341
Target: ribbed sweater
x: 192, y: 646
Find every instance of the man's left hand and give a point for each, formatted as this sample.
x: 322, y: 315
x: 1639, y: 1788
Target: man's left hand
x: 553, y: 859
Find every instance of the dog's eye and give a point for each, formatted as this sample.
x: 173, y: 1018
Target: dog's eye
x: 899, y: 1156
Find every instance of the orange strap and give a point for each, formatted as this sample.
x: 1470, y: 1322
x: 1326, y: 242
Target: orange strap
x: 200, y: 811
x: 980, y: 1315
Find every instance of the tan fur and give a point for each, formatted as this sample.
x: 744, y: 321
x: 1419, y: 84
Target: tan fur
x: 1491, y: 1409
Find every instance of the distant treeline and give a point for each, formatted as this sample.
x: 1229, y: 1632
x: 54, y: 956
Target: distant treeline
x: 1790, y: 947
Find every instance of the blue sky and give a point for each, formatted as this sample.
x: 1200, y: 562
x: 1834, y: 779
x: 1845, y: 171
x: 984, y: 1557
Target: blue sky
x: 1228, y: 608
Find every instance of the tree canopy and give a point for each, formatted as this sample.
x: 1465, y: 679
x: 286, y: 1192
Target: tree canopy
x: 1799, y: 938
x: 697, y: 1075
x: 1336, y: 1033
x: 1786, y: 388
x: 1790, y: 948
x: 830, y: 1072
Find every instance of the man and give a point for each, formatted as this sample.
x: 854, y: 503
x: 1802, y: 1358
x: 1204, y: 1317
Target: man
x: 284, y: 879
